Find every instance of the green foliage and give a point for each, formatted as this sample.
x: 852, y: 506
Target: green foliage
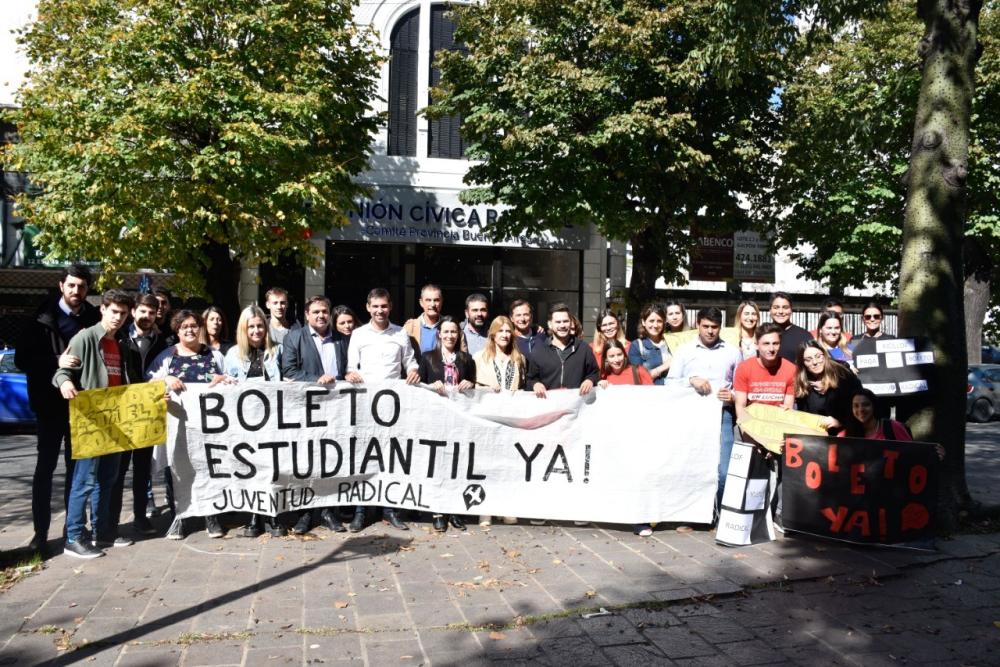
x: 847, y: 123
x: 154, y: 126
x: 628, y: 114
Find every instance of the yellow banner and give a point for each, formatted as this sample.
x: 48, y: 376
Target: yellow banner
x: 118, y: 419
x: 768, y: 425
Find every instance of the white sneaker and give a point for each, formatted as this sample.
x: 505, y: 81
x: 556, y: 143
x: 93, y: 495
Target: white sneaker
x: 485, y: 521
x: 510, y: 520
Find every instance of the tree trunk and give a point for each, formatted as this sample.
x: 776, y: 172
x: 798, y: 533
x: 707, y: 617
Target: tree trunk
x: 979, y: 269
x: 931, y: 281
x: 645, y: 272
x: 222, y: 280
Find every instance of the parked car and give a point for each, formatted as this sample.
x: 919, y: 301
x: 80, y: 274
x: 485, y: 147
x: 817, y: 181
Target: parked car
x: 991, y: 354
x: 983, y: 399
x: 14, y: 408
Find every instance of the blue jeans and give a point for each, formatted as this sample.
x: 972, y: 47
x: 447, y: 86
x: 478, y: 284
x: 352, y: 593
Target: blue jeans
x: 725, y: 449
x: 93, y: 481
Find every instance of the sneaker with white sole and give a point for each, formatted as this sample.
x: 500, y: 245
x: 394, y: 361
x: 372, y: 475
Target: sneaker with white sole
x: 176, y: 530
x: 82, y: 549
x: 213, y: 527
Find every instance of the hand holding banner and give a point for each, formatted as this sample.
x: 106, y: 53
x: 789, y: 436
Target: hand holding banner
x: 117, y: 419
x: 768, y: 425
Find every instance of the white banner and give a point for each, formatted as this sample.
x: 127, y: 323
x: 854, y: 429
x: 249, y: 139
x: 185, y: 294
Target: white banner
x: 621, y: 455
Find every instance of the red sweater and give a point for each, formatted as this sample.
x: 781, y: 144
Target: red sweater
x: 626, y: 376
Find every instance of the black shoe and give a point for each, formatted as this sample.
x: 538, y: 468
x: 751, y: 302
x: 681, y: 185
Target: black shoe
x: 274, y: 527
x: 358, y: 522
x: 143, y: 527
x: 82, y: 549
x: 440, y: 523
x: 213, y: 527
x: 151, y: 509
x: 392, y: 518
x: 304, y: 523
x: 39, y: 543
x: 329, y: 519
x: 456, y: 521
x: 252, y: 529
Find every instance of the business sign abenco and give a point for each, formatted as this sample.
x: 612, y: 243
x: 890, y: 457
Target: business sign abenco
x: 742, y: 256
x: 406, y: 215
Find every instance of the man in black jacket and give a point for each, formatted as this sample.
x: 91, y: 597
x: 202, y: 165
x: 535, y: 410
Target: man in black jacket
x: 140, y: 342
x: 562, y: 362
x: 38, y: 351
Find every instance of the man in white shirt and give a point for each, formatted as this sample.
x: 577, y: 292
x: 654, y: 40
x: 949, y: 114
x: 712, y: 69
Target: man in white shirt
x: 380, y: 350
x: 708, y: 363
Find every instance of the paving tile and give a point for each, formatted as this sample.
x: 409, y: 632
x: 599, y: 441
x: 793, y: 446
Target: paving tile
x: 678, y: 642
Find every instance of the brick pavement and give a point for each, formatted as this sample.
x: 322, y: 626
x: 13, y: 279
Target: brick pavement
x: 513, y: 594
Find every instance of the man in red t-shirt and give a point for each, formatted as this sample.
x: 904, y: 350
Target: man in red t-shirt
x: 766, y: 378
x: 93, y: 360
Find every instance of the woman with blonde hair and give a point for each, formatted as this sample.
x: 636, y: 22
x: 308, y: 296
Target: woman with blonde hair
x: 255, y: 356
x: 747, y: 319
x: 500, y: 366
x: 607, y: 328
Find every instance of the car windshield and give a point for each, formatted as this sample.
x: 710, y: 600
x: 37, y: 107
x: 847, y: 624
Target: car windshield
x: 7, y: 362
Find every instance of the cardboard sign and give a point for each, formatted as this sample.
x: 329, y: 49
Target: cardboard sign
x: 896, y: 366
x: 271, y: 447
x: 868, y: 491
x: 117, y: 419
x: 768, y: 424
x: 745, y: 515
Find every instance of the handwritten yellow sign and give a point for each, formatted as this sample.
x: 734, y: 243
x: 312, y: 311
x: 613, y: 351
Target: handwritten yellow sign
x: 117, y: 419
x: 768, y: 424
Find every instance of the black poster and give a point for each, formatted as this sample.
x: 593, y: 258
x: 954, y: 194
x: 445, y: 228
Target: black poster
x: 894, y: 366
x: 869, y: 491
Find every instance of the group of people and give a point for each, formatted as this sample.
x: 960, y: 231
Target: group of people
x: 72, y: 346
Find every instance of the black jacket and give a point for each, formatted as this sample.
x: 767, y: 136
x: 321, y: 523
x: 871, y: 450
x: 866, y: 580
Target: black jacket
x: 300, y: 361
x: 38, y: 353
x: 132, y: 359
x: 432, y: 367
x: 545, y: 366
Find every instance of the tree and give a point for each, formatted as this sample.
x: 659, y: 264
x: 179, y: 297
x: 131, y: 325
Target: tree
x: 636, y: 117
x: 193, y: 135
x: 847, y: 118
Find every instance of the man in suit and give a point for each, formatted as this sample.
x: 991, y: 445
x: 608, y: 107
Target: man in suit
x: 315, y: 353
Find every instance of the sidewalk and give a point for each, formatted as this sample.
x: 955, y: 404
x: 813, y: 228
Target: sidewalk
x: 512, y: 594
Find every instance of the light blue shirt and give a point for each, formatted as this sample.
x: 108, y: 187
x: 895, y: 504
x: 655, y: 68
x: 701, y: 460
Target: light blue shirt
x: 716, y: 364
x: 327, y: 350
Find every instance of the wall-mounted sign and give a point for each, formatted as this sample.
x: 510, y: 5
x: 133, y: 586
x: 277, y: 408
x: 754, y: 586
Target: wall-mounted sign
x: 742, y: 256
x: 405, y: 215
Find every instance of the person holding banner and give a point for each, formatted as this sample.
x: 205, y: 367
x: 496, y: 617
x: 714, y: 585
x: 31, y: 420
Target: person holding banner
x: 616, y: 369
x: 830, y: 334
x: 423, y: 329
x: 650, y: 350
x: 446, y: 369
x: 380, y: 350
x: 315, y: 353
x: 563, y: 362
x: 93, y: 360
x: 608, y: 328
x: 501, y: 366
x: 823, y: 386
x: 767, y: 378
x: 708, y: 364
x: 864, y: 423
x: 872, y: 317
x: 188, y: 362
x: 255, y: 357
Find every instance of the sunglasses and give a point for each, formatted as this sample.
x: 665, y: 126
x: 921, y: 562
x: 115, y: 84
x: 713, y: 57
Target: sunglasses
x: 872, y: 317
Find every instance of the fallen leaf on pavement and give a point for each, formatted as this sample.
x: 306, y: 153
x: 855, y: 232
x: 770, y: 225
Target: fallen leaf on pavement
x: 497, y: 636
x: 340, y: 605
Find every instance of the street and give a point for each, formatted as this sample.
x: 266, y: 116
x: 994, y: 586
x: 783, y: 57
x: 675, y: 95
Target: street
x: 508, y: 595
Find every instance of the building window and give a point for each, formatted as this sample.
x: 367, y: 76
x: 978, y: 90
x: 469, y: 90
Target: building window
x: 444, y: 138
x: 404, y: 55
